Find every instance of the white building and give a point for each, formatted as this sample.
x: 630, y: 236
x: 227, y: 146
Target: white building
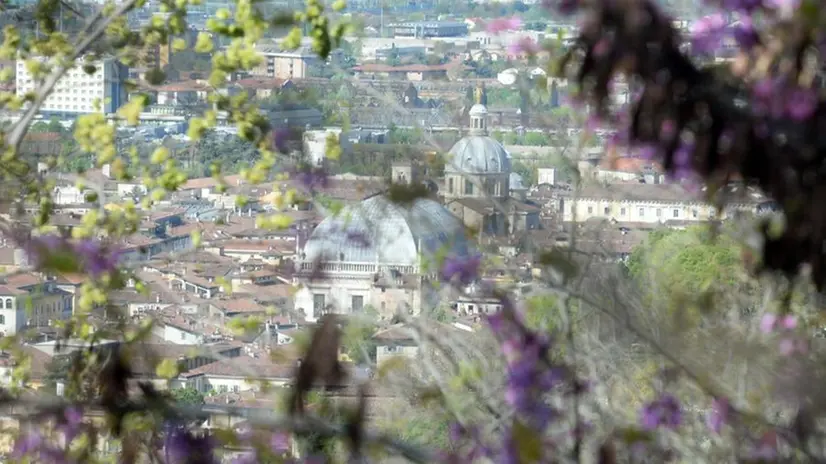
x: 78, y: 91
x: 648, y: 204
x: 375, y: 253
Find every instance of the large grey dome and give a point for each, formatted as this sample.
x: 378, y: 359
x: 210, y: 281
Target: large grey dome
x: 478, y: 154
x: 393, y: 233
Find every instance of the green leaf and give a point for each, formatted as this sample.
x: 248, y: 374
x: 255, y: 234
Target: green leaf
x: 528, y: 443
x: 167, y: 369
x: 557, y: 260
x: 155, y: 76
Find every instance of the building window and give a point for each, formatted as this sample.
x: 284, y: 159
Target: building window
x: 590, y: 210
x: 8, y: 303
x: 622, y: 211
x: 642, y: 212
x: 2, y: 319
x: 357, y: 303
x: 676, y: 213
x: 183, y: 336
x: 607, y: 210
x: 450, y: 185
x: 468, y: 187
x: 694, y: 213
x: 659, y: 212
x: 235, y: 389
x: 318, y: 303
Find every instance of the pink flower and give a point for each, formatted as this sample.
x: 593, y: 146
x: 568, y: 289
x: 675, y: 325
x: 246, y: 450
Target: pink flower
x: 789, y: 322
x: 719, y: 416
x: 767, y: 323
x: 790, y: 346
x: 499, y: 25
x: 524, y: 46
x: 787, y: 347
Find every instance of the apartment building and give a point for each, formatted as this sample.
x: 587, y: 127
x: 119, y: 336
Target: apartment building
x: 428, y: 29
x: 78, y: 91
x: 284, y: 64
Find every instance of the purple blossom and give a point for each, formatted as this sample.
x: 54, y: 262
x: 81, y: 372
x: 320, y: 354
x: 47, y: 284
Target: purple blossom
x: 27, y: 443
x: 565, y: 7
x: 719, y: 415
x: 766, y: 448
x: 801, y: 104
x: 746, y: 6
x: 90, y: 256
x: 312, y: 178
x: 745, y: 34
x: 96, y: 258
x: 72, y: 423
x: 280, y: 137
x: 784, y: 8
x: 664, y: 412
x: 524, y: 46
x: 790, y: 346
x: 246, y: 458
x: 707, y: 33
x: 499, y: 25
x: 768, y: 323
x: 772, y: 322
x: 182, y: 447
x: 280, y: 442
x: 463, y: 269
x: 31, y: 445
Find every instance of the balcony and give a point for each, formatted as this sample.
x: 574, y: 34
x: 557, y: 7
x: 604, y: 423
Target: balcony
x: 307, y: 268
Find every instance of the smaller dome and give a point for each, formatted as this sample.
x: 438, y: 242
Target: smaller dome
x: 478, y: 110
x: 478, y: 155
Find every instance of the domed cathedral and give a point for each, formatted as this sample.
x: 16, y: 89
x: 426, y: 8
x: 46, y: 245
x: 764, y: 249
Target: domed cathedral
x: 477, y: 186
x: 374, y: 256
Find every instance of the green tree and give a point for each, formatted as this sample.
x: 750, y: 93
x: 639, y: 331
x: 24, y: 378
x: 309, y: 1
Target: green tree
x: 187, y: 395
x: 679, y: 270
x: 357, y: 341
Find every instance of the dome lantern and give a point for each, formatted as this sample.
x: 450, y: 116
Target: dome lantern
x: 478, y: 120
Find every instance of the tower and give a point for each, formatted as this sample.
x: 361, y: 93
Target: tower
x: 404, y: 172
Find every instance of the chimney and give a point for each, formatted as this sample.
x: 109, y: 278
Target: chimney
x: 106, y: 169
x: 20, y: 257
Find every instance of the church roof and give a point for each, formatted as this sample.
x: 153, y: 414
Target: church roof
x: 380, y: 231
x: 478, y: 154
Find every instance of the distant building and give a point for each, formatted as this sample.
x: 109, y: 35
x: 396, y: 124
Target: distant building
x: 411, y: 72
x: 427, y: 29
x: 644, y: 203
x: 79, y: 90
x: 26, y: 302
x: 281, y: 64
x: 375, y: 255
x: 546, y: 176
x: 477, y: 181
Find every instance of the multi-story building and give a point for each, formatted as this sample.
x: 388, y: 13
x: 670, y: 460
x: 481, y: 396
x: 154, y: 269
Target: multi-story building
x: 426, y: 29
x: 642, y: 203
x: 27, y: 302
x: 79, y: 91
x: 282, y: 64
